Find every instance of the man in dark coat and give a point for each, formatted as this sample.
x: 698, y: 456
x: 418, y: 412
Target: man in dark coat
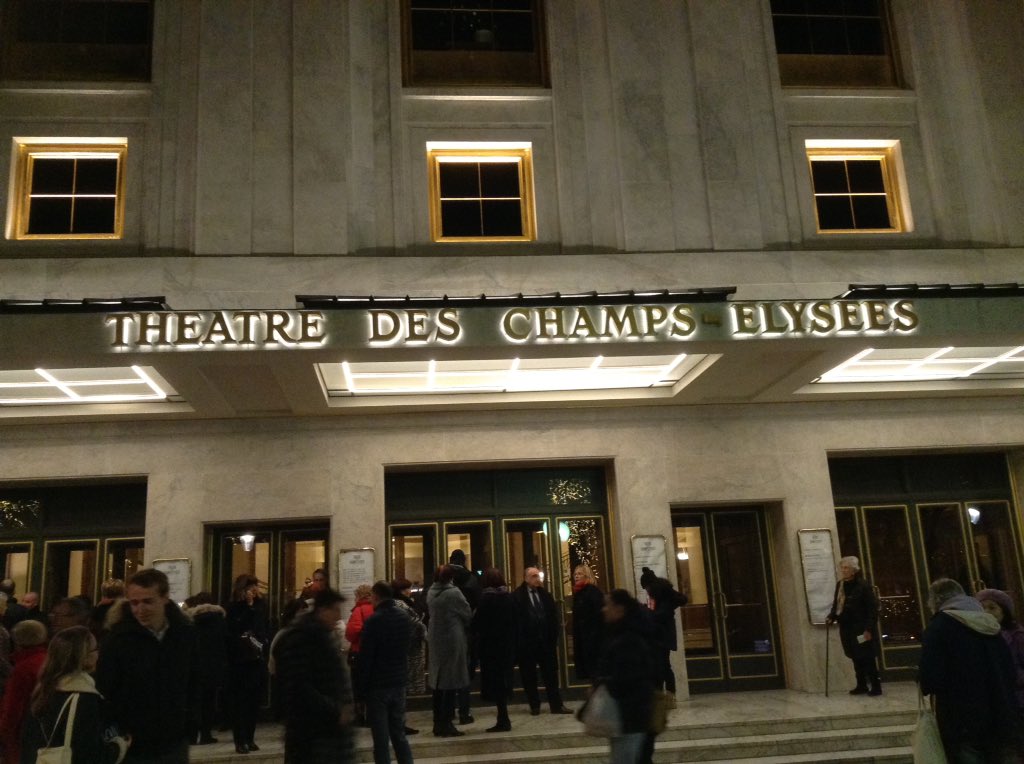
x: 855, y: 609
x: 382, y: 673
x: 663, y: 601
x: 15, y: 610
x: 315, y: 685
x: 966, y: 666
x: 539, y: 633
x: 148, y: 672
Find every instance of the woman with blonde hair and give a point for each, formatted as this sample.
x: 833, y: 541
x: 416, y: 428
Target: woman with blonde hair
x: 66, y: 696
x: 587, y: 622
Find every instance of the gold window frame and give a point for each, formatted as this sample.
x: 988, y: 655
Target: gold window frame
x: 894, y: 200
x: 522, y: 156
x: 21, y: 185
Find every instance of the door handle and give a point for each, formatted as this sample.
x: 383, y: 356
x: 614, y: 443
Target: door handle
x: 723, y: 605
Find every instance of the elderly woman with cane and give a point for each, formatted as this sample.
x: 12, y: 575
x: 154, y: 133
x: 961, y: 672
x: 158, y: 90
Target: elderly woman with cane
x: 855, y: 609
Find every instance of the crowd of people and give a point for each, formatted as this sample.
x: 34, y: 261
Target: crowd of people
x: 136, y: 678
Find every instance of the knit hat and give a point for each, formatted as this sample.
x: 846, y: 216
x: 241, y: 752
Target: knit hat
x: 999, y: 597
x: 647, y: 577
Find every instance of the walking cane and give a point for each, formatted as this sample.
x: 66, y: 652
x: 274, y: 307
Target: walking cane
x: 828, y: 624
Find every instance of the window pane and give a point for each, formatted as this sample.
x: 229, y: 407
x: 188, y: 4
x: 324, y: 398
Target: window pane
x: 944, y: 549
x: 83, y: 23
x: 892, y: 569
x: 94, y: 216
x: 834, y: 213
x: 472, y: 29
x: 861, y: 7
x: 788, y: 6
x: 431, y: 30
x: 871, y: 212
x: 742, y: 573
x: 49, y: 216
x: 792, y: 35
x: 460, y: 218
x: 40, y: 23
x: 53, y: 176
x: 829, y: 177
x: 128, y: 23
x: 846, y: 525
x: 865, y: 37
x: 865, y: 176
x: 828, y: 35
x: 500, y: 179
x: 96, y: 176
x: 992, y: 535
x: 513, y: 31
x: 459, y: 180
x: 502, y: 218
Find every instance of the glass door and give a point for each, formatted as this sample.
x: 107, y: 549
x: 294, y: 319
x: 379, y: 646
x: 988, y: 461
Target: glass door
x: 475, y: 538
x: 70, y: 568
x: 730, y: 625
x: 413, y: 555
x: 16, y: 564
x: 123, y: 557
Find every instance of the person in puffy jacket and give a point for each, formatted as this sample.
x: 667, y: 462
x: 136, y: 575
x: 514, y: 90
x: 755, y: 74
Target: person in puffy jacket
x: 29, y: 653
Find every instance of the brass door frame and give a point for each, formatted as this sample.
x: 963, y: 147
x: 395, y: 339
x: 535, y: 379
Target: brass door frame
x: 390, y: 566
x: 44, y: 597
x: 107, y: 572
x: 443, y: 539
x: 31, y: 560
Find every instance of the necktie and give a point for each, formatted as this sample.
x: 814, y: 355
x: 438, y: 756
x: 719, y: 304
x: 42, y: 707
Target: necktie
x: 536, y: 601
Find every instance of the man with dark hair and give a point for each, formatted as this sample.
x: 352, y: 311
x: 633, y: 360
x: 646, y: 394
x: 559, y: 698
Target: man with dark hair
x: 539, y: 635
x: 148, y: 671
x: 15, y: 610
x: 382, y: 673
x: 966, y: 666
x: 315, y: 686
x: 67, y: 612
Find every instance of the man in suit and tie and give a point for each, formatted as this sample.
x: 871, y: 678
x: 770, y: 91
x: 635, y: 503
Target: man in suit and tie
x: 540, y: 628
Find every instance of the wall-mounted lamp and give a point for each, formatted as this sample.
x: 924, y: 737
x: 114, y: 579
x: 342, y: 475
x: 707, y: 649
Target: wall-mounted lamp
x: 247, y: 540
x: 683, y: 555
x: 974, y: 514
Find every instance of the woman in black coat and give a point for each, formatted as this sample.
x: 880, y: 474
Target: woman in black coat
x: 494, y: 627
x: 247, y: 670
x: 63, y: 677
x: 855, y: 609
x: 627, y: 667
x: 210, y: 623
x: 587, y: 601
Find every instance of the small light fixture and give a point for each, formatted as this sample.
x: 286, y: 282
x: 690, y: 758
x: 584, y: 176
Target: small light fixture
x: 247, y: 540
x: 974, y: 514
x: 563, y: 531
x: 682, y: 555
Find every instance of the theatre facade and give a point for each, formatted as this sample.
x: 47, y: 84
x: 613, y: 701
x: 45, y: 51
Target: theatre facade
x: 353, y: 285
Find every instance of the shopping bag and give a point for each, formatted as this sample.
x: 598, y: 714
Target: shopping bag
x: 925, y: 740
x: 600, y: 714
x: 59, y: 754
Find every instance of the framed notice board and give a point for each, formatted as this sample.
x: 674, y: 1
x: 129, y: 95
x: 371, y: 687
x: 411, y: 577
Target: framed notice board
x: 179, y: 577
x: 355, y: 567
x: 648, y: 552
x: 818, y: 562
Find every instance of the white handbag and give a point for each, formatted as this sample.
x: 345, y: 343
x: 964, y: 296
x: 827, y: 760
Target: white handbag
x: 60, y: 754
x: 600, y: 714
x: 925, y: 740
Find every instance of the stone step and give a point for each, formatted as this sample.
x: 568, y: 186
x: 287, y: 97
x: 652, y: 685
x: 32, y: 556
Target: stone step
x: 900, y: 755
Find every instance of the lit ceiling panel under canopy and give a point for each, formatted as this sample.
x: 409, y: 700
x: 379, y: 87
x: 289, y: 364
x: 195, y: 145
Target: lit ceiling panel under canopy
x: 44, y: 387
x: 928, y: 365
x: 510, y: 375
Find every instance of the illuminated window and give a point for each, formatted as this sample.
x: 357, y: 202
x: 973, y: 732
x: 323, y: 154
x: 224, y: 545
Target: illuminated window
x: 474, y: 42
x: 90, y: 40
x: 834, y: 43
x: 69, y: 191
x: 857, y: 190
x: 481, y: 192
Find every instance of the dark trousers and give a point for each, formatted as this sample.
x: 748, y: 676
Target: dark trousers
x: 864, y: 665
x: 385, y: 710
x: 545, y: 657
x: 667, y: 678
x: 245, y: 686
x: 444, y: 708
x: 207, y: 713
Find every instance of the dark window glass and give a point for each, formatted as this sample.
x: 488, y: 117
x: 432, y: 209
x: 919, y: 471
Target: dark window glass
x: 865, y: 37
x: 792, y: 35
x: 828, y: 36
x: 500, y: 179
x: 829, y: 177
x: 49, y: 216
x: 459, y: 180
x: 53, y: 176
x: 96, y: 176
x: 865, y: 176
x: 788, y: 6
x: 84, y: 23
x: 870, y: 212
x: 93, y: 216
x: 460, y: 218
x: 834, y: 213
x: 502, y: 218
x: 128, y: 23
x: 41, y: 25
x: 513, y: 31
x: 862, y: 7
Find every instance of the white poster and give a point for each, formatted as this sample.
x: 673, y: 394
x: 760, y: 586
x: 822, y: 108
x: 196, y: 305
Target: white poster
x: 817, y: 558
x: 355, y: 567
x: 648, y: 552
x: 179, y: 577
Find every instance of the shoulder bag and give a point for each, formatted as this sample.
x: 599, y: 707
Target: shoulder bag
x: 60, y: 754
x: 600, y: 714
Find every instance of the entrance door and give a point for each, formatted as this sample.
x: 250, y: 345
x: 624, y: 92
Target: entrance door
x: 282, y: 558
x: 730, y: 625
